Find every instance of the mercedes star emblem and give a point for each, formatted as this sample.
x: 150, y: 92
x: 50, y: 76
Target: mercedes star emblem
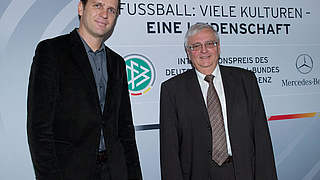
x: 304, y: 63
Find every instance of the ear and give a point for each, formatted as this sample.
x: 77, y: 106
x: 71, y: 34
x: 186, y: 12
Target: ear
x: 80, y: 8
x: 188, y: 54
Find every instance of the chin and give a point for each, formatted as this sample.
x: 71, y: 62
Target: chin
x: 100, y: 34
x: 207, y: 65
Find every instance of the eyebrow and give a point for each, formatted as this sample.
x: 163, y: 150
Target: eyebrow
x: 206, y: 41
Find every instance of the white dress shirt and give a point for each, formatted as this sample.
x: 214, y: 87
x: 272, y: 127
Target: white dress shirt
x: 217, y: 82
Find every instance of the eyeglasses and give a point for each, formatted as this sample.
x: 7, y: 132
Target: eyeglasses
x: 198, y: 46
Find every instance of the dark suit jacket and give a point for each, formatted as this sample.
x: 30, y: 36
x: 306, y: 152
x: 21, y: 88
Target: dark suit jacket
x: 185, y: 131
x: 64, y: 115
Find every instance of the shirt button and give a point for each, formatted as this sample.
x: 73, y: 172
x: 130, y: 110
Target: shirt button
x: 98, y: 69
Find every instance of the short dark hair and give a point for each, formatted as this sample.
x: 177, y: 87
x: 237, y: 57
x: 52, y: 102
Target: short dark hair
x: 84, y: 2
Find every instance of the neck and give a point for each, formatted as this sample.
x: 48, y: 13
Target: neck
x: 93, y: 42
x: 207, y: 71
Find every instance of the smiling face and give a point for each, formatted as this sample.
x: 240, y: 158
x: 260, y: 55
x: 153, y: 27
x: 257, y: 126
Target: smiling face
x: 206, y: 58
x: 98, y: 18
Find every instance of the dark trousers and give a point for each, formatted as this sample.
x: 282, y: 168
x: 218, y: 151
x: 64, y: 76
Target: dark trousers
x: 223, y: 172
x: 102, y: 170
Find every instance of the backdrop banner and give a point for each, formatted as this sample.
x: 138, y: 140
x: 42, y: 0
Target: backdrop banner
x: 278, y: 40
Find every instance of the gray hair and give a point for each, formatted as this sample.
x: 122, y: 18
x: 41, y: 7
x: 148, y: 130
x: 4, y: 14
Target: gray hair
x: 195, y: 29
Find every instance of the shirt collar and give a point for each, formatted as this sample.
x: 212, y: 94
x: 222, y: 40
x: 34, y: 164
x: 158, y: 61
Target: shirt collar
x: 87, y: 47
x: 215, y: 73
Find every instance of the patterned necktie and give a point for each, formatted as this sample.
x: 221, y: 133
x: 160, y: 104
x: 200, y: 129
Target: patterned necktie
x: 219, y: 142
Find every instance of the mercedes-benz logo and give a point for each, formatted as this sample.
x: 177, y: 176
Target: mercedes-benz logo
x: 304, y: 63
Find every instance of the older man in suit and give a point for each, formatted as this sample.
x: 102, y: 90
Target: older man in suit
x: 212, y: 119
x: 79, y: 114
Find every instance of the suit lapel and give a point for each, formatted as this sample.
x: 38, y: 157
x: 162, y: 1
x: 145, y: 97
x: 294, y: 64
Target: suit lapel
x: 229, y: 85
x: 196, y: 95
x: 110, y: 82
x: 80, y: 58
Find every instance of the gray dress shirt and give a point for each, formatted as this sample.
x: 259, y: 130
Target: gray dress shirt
x: 98, y: 62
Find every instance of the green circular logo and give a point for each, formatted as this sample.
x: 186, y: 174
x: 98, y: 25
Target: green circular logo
x: 140, y: 74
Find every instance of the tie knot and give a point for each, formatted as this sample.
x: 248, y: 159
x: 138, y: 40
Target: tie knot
x: 209, y: 78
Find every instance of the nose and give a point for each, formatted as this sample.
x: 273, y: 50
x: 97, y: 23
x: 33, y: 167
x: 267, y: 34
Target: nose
x: 104, y: 13
x: 203, y: 48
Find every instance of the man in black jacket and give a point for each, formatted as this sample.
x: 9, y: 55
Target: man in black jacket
x: 79, y: 114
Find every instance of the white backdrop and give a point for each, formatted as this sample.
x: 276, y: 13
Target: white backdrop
x: 279, y: 40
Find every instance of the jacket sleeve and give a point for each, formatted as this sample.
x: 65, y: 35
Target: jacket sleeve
x: 42, y: 101
x: 127, y: 132
x: 169, y: 141
x: 264, y: 158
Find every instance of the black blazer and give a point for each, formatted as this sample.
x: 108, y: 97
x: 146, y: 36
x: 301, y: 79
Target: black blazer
x: 64, y: 115
x: 185, y: 131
